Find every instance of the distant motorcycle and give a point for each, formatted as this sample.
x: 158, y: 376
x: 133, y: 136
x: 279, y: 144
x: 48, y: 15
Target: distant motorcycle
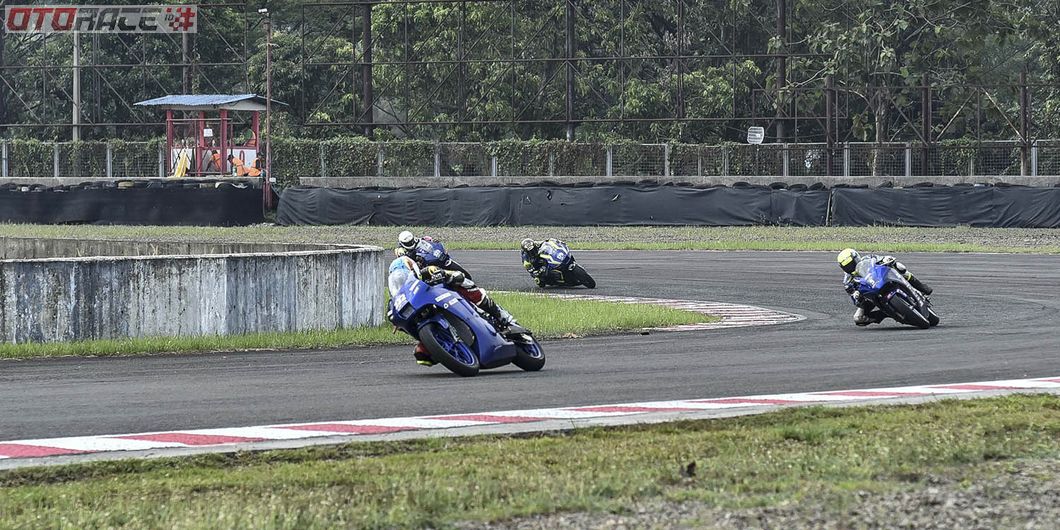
x: 457, y: 334
x: 560, y: 267
x: 893, y: 295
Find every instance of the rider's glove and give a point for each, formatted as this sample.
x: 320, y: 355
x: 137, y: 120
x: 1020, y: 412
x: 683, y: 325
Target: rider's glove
x: 856, y: 297
x: 435, y: 274
x: 887, y: 260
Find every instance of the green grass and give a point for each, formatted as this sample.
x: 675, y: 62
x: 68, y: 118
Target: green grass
x: 766, y: 460
x: 890, y: 239
x: 547, y: 317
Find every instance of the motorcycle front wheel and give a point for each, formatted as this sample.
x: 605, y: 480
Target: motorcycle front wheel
x: 909, y: 314
x: 448, y: 350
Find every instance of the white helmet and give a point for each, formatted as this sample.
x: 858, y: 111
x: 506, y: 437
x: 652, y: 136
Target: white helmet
x: 407, y: 240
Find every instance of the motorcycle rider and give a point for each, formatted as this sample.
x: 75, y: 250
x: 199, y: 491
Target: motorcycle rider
x: 404, y: 267
x: 407, y: 244
x: 866, y: 312
x: 536, y: 262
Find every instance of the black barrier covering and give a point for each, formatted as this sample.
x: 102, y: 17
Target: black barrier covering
x: 562, y: 206
x: 225, y: 206
x: 1002, y: 207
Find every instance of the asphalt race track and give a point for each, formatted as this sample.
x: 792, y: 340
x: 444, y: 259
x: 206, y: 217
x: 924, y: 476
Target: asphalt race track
x: 999, y: 321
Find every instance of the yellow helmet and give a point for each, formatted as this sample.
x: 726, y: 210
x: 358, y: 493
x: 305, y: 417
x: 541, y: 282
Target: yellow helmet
x: 848, y: 260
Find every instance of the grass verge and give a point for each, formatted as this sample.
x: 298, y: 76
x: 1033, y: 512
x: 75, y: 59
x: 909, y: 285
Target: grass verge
x: 766, y: 460
x: 879, y: 238
x: 547, y: 317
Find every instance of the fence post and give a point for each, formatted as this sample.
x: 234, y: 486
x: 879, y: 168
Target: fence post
x: 1034, y: 159
x: 971, y: 166
x: 3, y: 159
x: 908, y: 159
x: 724, y: 160
x: 323, y: 162
x: 607, y: 172
x: 161, y: 161
x: 437, y: 160
x: 110, y: 161
x: 493, y: 166
x: 666, y: 160
x: 55, y: 159
x: 846, y: 160
x: 786, y: 158
x: 551, y: 164
x: 699, y: 162
x: 379, y: 159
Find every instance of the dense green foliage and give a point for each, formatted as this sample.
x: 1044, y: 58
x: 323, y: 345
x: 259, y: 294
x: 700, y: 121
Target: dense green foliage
x: 705, y: 59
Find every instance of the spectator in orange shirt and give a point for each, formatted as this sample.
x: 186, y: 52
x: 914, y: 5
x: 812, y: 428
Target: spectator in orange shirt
x: 240, y: 169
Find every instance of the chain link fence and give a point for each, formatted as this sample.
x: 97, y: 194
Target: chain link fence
x: 368, y: 160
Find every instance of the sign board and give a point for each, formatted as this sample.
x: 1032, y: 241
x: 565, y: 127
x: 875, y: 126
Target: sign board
x: 101, y: 19
x: 755, y: 135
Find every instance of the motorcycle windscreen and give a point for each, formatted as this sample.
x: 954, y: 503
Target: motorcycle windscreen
x: 872, y: 277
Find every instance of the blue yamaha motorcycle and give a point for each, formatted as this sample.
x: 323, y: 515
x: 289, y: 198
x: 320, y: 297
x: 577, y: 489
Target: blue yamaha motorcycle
x: 457, y: 334
x: 893, y: 295
x: 560, y: 267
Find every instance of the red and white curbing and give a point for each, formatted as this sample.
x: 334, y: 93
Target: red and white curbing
x: 228, y: 439
x: 732, y: 315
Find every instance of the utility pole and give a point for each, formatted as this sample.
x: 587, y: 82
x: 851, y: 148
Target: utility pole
x: 829, y: 125
x: 925, y: 125
x: 266, y: 186
x: 570, y: 69
x: 75, y: 133
x: 782, y: 67
x: 1025, y: 125
x: 368, y: 93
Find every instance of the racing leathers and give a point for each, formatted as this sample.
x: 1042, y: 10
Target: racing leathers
x: 867, y: 312
x: 536, y: 262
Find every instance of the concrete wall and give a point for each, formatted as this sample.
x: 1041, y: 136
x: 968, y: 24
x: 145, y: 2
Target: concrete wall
x: 65, y: 299
x: 29, y: 248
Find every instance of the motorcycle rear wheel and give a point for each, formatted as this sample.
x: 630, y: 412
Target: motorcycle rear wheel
x: 933, y: 318
x: 530, y: 356
x: 909, y: 314
x: 449, y: 351
x: 583, y: 277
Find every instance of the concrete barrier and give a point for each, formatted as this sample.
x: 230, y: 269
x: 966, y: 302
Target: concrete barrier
x: 251, y: 288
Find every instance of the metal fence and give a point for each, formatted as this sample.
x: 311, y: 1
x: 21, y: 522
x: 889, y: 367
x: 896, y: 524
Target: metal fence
x: 139, y: 160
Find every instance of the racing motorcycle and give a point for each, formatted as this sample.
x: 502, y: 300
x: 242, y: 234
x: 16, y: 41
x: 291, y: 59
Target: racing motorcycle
x: 893, y: 295
x: 560, y: 267
x: 458, y: 334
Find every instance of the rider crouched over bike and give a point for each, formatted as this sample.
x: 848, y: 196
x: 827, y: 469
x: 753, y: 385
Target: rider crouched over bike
x: 867, y: 312
x: 402, y: 268
x: 421, y: 248
x: 536, y: 262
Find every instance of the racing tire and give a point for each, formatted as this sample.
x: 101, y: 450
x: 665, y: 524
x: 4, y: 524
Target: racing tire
x: 529, y: 355
x: 932, y: 317
x: 909, y: 314
x: 582, y: 276
x: 448, y: 350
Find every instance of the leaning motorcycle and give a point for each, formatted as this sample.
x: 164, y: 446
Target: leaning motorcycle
x: 457, y: 334
x: 893, y: 295
x: 560, y: 267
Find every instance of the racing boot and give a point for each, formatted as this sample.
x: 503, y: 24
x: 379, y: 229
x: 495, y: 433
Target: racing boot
x: 503, y: 319
x: 917, y: 284
x: 423, y: 357
x: 860, y: 318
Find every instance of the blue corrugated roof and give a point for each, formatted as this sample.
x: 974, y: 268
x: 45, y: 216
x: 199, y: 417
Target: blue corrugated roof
x: 198, y: 100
